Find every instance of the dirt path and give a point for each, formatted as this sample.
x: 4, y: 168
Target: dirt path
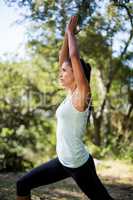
x: 116, y: 175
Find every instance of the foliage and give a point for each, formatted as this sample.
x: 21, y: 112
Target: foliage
x: 25, y: 110
x: 30, y: 92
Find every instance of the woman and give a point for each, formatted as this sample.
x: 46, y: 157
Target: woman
x: 72, y: 159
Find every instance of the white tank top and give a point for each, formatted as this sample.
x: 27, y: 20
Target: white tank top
x: 71, y: 127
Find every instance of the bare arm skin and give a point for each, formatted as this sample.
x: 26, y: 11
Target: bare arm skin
x: 64, y: 52
x: 79, y: 75
x: 76, y: 64
x: 83, y: 87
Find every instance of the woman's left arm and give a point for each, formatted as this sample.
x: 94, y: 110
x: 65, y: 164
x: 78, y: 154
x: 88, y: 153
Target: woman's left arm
x: 78, y: 71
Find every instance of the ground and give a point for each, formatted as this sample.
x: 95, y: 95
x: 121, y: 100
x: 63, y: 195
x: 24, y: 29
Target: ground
x: 116, y: 175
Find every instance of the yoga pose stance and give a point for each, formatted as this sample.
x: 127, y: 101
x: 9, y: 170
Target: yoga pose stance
x: 73, y: 160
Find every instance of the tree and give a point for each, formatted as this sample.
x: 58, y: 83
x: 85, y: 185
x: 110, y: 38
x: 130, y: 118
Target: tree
x: 112, y: 73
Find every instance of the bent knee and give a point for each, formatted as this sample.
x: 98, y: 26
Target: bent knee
x: 20, y: 183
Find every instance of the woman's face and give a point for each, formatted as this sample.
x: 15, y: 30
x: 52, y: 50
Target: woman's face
x: 66, y: 77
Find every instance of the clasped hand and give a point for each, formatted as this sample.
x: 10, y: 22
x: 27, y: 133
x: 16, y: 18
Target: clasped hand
x: 71, y: 27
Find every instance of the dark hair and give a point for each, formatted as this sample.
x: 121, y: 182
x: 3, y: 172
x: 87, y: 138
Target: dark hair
x: 86, y: 68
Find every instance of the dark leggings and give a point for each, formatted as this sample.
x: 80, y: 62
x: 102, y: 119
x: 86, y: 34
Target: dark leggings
x: 52, y: 171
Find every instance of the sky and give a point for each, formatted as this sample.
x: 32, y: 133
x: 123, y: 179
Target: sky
x: 12, y: 35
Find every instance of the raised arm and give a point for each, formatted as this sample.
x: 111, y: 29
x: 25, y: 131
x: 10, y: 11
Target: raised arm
x: 78, y: 71
x: 64, y: 52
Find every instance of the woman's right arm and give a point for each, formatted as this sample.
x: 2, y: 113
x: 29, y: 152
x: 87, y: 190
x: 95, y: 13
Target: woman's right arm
x: 64, y: 52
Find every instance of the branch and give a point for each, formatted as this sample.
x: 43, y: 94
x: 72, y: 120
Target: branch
x: 128, y: 13
x: 129, y: 111
x: 127, y: 44
x: 131, y: 32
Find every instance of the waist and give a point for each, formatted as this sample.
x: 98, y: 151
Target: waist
x: 72, y: 156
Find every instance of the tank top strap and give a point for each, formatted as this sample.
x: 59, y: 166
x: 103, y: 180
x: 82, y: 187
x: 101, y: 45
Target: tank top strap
x: 89, y: 105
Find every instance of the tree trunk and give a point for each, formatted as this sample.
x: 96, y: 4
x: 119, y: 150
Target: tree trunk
x: 97, y: 130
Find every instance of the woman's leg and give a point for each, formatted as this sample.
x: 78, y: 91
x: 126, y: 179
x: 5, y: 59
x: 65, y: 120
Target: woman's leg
x: 44, y: 174
x: 88, y: 181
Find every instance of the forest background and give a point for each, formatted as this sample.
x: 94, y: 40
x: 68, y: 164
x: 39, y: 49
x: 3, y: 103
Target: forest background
x: 30, y: 92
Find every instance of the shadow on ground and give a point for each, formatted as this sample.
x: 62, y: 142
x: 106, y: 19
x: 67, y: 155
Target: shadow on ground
x: 62, y: 190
